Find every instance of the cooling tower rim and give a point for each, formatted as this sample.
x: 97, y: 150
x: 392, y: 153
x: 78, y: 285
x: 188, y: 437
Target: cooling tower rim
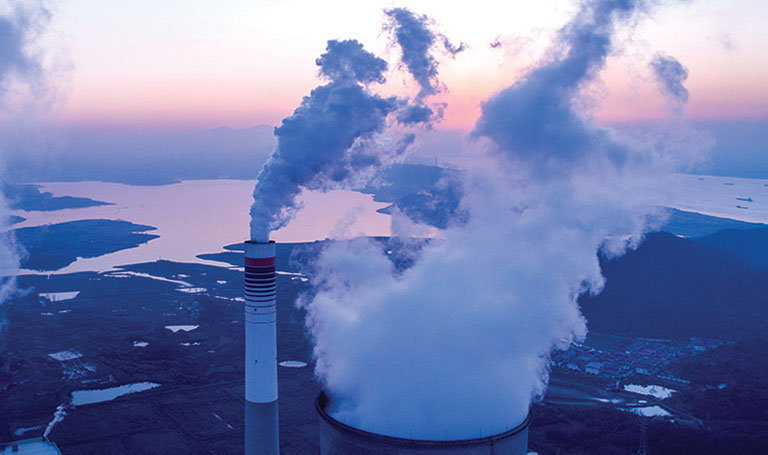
x: 322, y: 400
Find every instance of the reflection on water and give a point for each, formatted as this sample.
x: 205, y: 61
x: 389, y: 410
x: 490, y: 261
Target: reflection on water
x: 83, y: 397
x: 201, y: 216
x: 725, y: 197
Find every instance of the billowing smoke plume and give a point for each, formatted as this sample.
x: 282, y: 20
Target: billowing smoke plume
x: 458, y: 345
x: 415, y: 39
x: 414, y: 35
x: 671, y: 74
x: 333, y: 137
x: 20, y: 72
x: 22, y: 76
x: 9, y: 259
x: 535, y: 121
x: 327, y: 139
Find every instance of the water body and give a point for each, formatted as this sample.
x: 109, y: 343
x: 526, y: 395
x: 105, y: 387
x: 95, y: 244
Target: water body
x: 182, y: 328
x: 126, y: 274
x: 562, y: 391
x: 83, y: 397
x: 724, y: 197
x: 63, y: 356
x: 655, y: 391
x: 59, y: 296
x: 201, y: 216
x: 192, y: 290
x: 650, y: 411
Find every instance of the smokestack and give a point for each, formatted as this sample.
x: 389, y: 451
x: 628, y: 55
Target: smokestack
x: 337, y: 438
x: 261, y: 423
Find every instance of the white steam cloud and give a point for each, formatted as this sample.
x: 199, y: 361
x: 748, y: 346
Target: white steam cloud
x: 335, y: 136
x: 327, y: 139
x: 9, y: 260
x: 416, y: 38
x: 671, y: 75
x: 22, y: 81
x: 458, y: 345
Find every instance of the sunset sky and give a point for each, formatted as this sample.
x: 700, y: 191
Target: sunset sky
x: 195, y: 64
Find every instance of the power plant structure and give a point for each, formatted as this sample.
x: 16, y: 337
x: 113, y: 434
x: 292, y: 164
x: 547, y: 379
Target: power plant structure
x: 337, y: 438
x: 261, y: 421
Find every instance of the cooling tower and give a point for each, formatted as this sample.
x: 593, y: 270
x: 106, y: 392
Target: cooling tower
x: 261, y: 424
x: 337, y: 438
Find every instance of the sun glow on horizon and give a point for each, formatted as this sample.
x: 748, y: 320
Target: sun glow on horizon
x: 200, y: 65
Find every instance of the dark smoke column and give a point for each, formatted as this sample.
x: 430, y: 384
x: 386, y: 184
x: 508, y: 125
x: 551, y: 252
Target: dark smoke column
x: 261, y: 423
x: 315, y: 149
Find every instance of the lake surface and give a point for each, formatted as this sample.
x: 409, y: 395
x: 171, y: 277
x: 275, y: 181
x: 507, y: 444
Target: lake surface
x: 655, y: 391
x: 182, y: 328
x: 724, y: 197
x: 83, y: 397
x: 202, y: 216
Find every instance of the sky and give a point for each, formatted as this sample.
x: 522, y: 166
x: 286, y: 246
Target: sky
x: 194, y: 64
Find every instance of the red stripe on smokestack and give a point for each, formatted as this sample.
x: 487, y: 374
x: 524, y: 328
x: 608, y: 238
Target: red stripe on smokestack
x: 259, y: 262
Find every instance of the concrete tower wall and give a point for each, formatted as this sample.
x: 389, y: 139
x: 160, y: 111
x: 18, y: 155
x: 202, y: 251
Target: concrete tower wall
x: 337, y: 438
x: 261, y: 418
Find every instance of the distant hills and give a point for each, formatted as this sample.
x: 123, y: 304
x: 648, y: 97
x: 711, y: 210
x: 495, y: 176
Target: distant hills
x: 672, y: 287
x: 750, y: 246
x: 28, y: 197
x: 142, y: 157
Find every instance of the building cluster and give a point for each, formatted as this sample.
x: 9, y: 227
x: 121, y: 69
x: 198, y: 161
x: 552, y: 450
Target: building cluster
x: 640, y: 356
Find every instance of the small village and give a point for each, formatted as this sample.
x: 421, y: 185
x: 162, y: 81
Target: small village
x: 619, y: 358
